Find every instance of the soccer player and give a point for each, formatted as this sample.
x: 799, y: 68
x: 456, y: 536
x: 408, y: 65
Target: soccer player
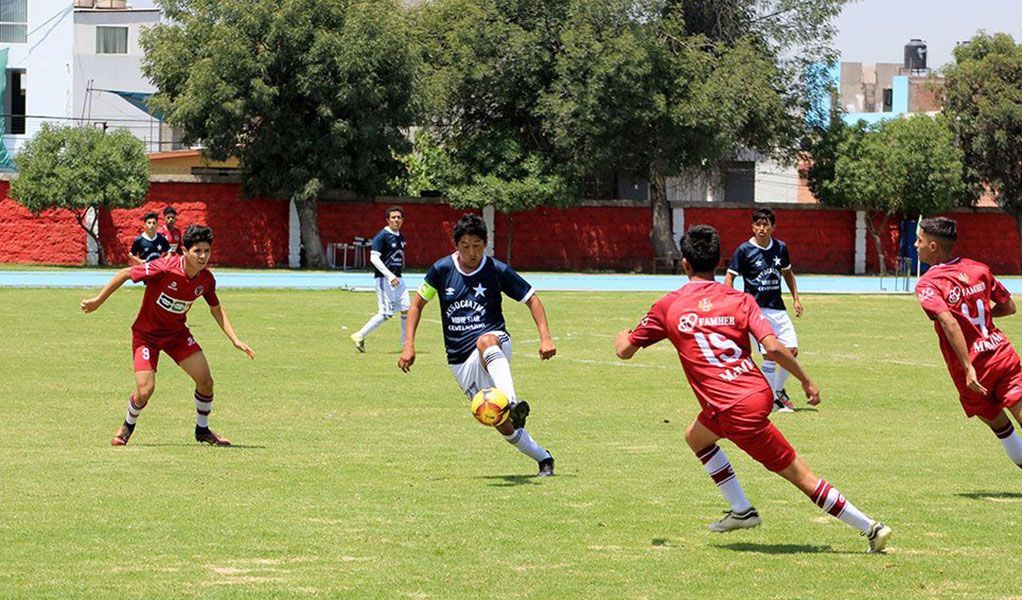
x: 170, y: 231
x: 762, y: 261
x: 962, y: 297
x: 387, y: 256
x: 709, y: 324
x: 469, y: 285
x: 172, y: 284
x: 148, y: 245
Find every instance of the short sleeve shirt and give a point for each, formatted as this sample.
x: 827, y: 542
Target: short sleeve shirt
x: 391, y: 246
x: 760, y: 269
x: 173, y: 235
x: 169, y: 294
x: 149, y: 249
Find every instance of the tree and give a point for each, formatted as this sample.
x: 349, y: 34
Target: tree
x: 310, y: 95
x: 656, y: 88
x: 906, y: 166
x: 81, y: 169
x: 983, y: 104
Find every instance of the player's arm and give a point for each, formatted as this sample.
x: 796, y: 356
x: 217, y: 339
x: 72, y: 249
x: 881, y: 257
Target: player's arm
x: 90, y: 304
x: 956, y: 339
x: 225, y: 324
x: 623, y: 345
x: 546, y: 343
x: 407, y: 358
x: 729, y: 279
x: 377, y: 259
x: 1004, y: 309
x: 775, y: 351
x: 789, y: 278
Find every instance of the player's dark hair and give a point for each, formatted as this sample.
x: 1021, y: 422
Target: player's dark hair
x: 701, y: 248
x: 764, y: 214
x: 942, y: 229
x: 169, y: 211
x: 150, y: 215
x: 470, y: 224
x: 195, y: 234
x: 395, y: 209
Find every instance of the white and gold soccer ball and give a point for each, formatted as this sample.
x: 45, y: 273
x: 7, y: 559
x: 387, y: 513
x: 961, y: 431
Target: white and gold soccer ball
x: 490, y: 407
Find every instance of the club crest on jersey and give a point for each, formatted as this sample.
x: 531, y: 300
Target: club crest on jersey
x: 450, y: 291
x: 963, y: 278
x: 198, y: 291
x: 705, y: 305
x: 687, y: 322
x: 954, y: 295
x: 173, y: 285
x: 178, y: 307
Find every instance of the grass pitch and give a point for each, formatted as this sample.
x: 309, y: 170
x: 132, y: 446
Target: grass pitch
x: 352, y: 479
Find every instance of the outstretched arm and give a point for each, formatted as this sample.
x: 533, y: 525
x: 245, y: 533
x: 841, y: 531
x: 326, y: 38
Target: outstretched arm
x: 546, y: 343
x: 729, y: 279
x: 407, y: 358
x: 623, y: 347
x: 115, y: 282
x: 789, y: 278
x: 776, y: 352
x: 1004, y: 309
x: 221, y: 319
x: 953, y: 332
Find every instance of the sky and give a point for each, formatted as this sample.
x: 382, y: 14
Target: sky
x: 872, y: 31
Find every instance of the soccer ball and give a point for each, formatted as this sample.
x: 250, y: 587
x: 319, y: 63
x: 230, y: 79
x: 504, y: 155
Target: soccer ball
x: 490, y: 407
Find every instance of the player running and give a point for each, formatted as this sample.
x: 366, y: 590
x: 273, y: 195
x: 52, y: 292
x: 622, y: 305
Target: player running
x: 957, y: 294
x: 709, y: 324
x: 387, y: 256
x: 761, y: 262
x: 469, y: 285
x: 172, y: 284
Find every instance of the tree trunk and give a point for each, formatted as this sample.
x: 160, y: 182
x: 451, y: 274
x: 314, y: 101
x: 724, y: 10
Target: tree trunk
x: 80, y: 218
x: 510, y: 233
x: 308, y: 220
x: 875, y: 232
x: 661, y: 234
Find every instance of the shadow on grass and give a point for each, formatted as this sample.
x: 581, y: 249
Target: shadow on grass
x: 197, y: 445
x: 799, y: 409
x: 991, y: 495
x: 781, y: 548
x: 511, y: 480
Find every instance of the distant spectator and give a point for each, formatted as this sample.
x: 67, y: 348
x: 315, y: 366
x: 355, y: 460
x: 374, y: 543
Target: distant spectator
x: 169, y: 231
x: 149, y: 245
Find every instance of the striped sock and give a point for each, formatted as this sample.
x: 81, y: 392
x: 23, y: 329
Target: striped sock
x: 720, y: 471
x: 499, y: 368
x: 832, y: 502
x: 133, y: 411
x: 1011, y: 442
x: 203, y: 406
x: 526, y: 445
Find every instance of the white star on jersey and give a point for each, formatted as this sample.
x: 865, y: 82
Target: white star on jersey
x: 479, y: 290
x: 777, y: 261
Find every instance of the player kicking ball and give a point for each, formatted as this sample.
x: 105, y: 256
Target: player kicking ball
x: 709, y: 324
x: 957, y: 294
x: 470, y: 285
x: 172, y: 284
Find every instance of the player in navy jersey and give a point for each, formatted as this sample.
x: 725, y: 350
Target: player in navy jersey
x: 149, y: 245
x: 762, y: 262
x: 469, y: 285
x: 387, y: 256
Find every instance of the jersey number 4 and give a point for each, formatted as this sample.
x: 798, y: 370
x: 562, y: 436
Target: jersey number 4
x: 980, y: 318
x: 731, y: 353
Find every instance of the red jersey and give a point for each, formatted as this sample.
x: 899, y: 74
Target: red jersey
x: 709, y: 324
x: 169, y: 293
x: 965, y: 288
x: 173, y: 235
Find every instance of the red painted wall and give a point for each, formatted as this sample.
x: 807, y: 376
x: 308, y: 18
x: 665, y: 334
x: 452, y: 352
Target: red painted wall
x: 52, y: 237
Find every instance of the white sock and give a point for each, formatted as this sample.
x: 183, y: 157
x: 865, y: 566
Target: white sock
x: 831, y: 501
x: 133, y: 411
x: 523, y: 441
x: 374, y: 322
x: 780, y: 378
x: 719, y: 468
x: 1011, y: 442
x: 499, y: 369
x: 769, y: 369
x: 203, y: 406
x: 404, y: 327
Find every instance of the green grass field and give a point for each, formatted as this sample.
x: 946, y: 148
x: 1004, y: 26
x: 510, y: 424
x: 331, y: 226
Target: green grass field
x: 352, y: 479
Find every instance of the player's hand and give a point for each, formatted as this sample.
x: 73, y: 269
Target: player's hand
x: 90, y: 304
x: 546, y: 349
x: 395, y: 282
x: 240, y: 345
x: 407, y: 359
x: 812, y: 393
x: 798, y: 308
x: 973, y: 382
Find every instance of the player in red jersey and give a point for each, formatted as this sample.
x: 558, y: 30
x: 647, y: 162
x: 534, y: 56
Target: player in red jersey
x: 709, y: 324
x: 173, y: 283
x: 170, y: 231
x: 957, y: 294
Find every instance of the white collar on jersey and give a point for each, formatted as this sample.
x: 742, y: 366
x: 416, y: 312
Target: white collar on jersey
x: 389, y: 230
x: 457, y: 265
x: 150, y: 238
x: 950, y: 262
x: 752, y: 241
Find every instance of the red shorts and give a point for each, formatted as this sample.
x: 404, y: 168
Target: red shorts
x: 1004, y: 390
x: 146, y: 352
x: 748, y: 426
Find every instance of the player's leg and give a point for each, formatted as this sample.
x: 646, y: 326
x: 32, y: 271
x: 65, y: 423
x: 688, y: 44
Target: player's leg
x: 785, y: 331
x: 145, y: 357
x: 703, y: 442
x: 1002, y: 427
x: 197, y: 368
x: 404, y: 303
x: 384, y: 311
x: 497, y: 363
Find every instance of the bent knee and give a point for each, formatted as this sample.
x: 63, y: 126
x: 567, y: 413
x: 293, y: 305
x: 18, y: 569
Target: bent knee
x: 794, y: 351
x: 204, y: 386
x: 143, y: 393
x: 485, y: 341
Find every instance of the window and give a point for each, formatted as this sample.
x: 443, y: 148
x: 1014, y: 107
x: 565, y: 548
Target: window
x: 14, y: 21
x: 111, y: 40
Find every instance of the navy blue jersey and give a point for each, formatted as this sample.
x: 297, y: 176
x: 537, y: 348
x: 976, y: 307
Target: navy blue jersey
x: 391, y: 247
x: 761, y: 268
x: 470, y: 302
x: 149, y: 249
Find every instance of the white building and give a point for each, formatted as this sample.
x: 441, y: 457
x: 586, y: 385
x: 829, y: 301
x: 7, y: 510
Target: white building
x: 65, y: 58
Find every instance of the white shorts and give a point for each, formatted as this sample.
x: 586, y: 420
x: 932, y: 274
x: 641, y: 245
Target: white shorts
x: 391, y: 299
x: 471, y: 375
x: 783, y: 328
